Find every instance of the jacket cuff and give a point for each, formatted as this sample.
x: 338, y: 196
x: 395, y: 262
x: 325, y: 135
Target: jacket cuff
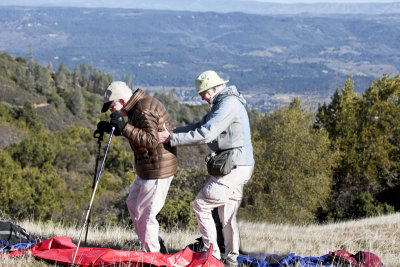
x: 172, y: 140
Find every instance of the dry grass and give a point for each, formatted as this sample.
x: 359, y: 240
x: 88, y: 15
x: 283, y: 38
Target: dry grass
x: 380, y: 235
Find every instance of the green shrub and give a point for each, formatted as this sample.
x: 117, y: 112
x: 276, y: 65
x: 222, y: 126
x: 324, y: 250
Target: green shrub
x: 30, y: 192
x: 292, y: 175
x: 365, y: 205
x: 178, y: 212
x: 178, y: 208
x: 35, y: 151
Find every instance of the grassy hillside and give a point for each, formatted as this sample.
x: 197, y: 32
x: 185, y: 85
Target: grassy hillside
x: 379, y: 235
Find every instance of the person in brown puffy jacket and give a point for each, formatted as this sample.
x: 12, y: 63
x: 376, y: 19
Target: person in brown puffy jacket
x: 155, y: 163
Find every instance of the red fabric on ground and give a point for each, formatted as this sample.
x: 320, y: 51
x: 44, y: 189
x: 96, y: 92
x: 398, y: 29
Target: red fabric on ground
x: 62, y: 250
x: 61, y: 242
x: 13, y: 254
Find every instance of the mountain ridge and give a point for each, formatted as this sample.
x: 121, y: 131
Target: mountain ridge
x: 224, y: 6
x: 263, y: 55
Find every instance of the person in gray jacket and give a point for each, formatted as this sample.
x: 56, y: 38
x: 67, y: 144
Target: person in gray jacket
x: 225, y: 127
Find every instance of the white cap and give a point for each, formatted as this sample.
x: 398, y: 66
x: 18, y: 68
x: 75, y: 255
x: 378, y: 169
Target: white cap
x: 115, y: 91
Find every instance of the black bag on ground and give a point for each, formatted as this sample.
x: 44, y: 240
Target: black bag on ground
x: 14, y: 234
x: 219, y: 163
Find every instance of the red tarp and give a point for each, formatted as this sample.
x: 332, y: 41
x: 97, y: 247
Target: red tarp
x: 62, y: 251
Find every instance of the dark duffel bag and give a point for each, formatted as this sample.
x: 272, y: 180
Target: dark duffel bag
x: 13, y: 233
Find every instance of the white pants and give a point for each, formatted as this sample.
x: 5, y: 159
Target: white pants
x: 224, y: 192
x: 146, y: 199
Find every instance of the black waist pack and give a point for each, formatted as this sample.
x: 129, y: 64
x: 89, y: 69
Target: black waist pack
x: 220, y: 163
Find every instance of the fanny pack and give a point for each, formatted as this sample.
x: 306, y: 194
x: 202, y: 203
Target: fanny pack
x: 219, y: 163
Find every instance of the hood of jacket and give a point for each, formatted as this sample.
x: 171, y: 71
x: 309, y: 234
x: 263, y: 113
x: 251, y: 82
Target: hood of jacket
x: 228, y: 91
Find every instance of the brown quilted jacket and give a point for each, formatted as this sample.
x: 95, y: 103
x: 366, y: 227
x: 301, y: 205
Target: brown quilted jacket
x: 146, y: 116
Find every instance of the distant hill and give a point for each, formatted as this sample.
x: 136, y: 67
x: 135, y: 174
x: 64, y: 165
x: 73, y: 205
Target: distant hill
x: 269, y: 58
x: 223, y: 6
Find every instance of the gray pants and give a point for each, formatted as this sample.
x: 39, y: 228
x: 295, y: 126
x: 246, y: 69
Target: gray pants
x: 145, y: 201
x: 224, y: 193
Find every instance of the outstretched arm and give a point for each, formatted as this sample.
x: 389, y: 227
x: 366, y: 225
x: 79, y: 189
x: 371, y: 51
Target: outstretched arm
x: 214, y: 124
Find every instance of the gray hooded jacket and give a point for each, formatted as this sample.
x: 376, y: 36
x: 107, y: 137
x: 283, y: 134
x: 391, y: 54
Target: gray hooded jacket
x: 226, y: 126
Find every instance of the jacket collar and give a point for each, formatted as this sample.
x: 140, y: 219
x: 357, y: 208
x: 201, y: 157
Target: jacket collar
x: 219, y: 96
x: 137, y: 95
x: 228, y: 91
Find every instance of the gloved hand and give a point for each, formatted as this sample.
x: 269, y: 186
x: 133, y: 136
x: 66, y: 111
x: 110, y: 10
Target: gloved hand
x: 118, y: 121
x: 102, y: 126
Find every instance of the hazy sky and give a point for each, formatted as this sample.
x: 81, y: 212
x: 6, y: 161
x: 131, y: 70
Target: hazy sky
x: 328, y: 1
x: 33, y: 2
x: 176, y: 3
x: 105, y: 2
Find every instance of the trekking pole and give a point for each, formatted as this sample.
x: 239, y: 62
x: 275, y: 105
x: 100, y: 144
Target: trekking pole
x: 93, y: 193
x: 99, y: 135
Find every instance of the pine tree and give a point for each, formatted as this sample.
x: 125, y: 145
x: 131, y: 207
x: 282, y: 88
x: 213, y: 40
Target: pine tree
x: 363, y: 130
x: 20, y: 75
x: 30, y: 54
x: 30, y: 83
x: 77, y: 77
x: 77, y: 102
x: 43, y: 81
x: 129, y: 82
x: 50, y: 67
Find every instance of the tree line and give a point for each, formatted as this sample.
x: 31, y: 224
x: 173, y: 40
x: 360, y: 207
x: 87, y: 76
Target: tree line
x: 339, y: 162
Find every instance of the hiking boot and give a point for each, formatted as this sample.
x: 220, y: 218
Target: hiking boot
x: 163, y: 249
x: 230, y: 263
x: 230, y: 260
x: 198, y: 246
